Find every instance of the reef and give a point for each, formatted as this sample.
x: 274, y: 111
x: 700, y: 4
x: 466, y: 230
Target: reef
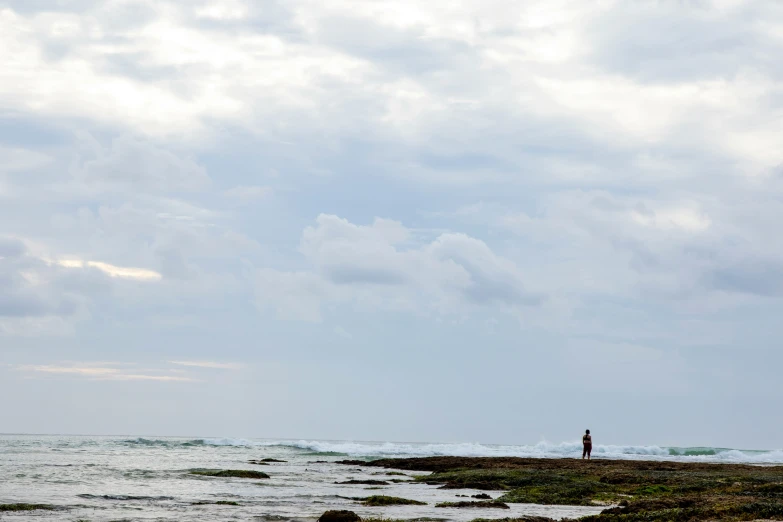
x: 237, y: 473
x: 365, y: 482
x: 265, y: 462
x: 474, y: 504
x: 632, y: 491
x: 382, y: 500
x: 26, y: 507
x: 339, y: 516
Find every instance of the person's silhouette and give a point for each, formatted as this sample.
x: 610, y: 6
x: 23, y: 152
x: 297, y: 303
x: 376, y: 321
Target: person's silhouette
x: 587, y: 443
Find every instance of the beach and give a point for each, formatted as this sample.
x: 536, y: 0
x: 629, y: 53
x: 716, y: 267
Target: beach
x: 132, y: 478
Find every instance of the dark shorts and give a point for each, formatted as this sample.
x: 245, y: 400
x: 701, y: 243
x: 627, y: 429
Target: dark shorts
x: 587, y: 449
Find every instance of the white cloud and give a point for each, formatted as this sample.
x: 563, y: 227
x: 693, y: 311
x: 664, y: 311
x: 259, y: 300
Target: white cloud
x: 223, y: 10
x: 138, y: 274
x: 129, y: 162
x: 378, y: 264
x: 682, y: 218
x: 293, y: 295
x: 625, y: 156
x: 103, y: 373
x: 18, y: 159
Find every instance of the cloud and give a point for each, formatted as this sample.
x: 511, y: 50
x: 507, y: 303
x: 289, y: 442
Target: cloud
x: 11, y: 248
x: 22, y: 289
x: 293, y: 295
x: 103, y: 373
x: 760, y: 277
x: 346, y: 253
x: 18, y: 159
x: 615, y: 167
x: 129, y: 162
x: 492, y: 279
x: 138, y: 274
x: 381, y: 262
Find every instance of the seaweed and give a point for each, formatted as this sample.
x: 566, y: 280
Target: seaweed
x: 382, y: 500
x: 365, y: 482
x: 474, y: 504
x: 636, y: 491
x: 236, y: 473
x: 26, y: 507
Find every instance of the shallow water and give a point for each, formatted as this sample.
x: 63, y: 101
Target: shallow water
x: 127, y: 478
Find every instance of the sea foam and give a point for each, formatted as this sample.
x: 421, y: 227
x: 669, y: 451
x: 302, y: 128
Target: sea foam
x: 541, y: 450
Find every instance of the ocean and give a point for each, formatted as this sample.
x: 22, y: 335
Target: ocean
x: 143, y: 479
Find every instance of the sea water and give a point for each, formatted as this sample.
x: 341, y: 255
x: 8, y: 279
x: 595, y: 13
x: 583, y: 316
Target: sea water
x: 132, y: 478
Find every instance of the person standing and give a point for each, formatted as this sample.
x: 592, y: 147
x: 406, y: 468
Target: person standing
x: 587, y: 443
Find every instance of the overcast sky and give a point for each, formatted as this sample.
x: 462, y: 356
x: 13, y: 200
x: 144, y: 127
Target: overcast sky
x: 487, y: 221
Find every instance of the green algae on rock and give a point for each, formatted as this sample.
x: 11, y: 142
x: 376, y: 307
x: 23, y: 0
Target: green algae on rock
x: 26, y: 507
x: 339, y: 516
x: 365, y: 482
x: 519, y: 519
x: 382, y: 500
x: 236, y: 473
x: 474, y: 504
x: 642, y: 491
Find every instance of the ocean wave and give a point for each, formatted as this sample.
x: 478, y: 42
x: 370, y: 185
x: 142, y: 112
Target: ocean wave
x: 140, y: 441
x: 122, y: 497
x: 541, y: 450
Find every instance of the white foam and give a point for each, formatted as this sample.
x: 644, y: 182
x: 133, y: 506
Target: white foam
x: 542, y: 449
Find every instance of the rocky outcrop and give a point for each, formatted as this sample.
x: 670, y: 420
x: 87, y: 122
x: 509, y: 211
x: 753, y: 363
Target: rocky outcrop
x: 479, y: 504
x: 236, y: 473
x: 365, y: 482
x: 339, y: 516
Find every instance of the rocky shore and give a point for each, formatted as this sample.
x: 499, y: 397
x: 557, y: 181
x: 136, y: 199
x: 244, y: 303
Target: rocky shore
x: 631, y: 490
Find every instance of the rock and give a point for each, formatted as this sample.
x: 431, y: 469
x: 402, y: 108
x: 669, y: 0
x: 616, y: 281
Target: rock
x: 474, y: 504
x: 25, y: 507
x: 236, y: 473
x: 382, y: 500
x: 482, y: 496
x: 339, y: 516
x: 365, y: 482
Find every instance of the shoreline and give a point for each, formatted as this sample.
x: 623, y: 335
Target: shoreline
x: 439, y: 463
x: 633, y: 490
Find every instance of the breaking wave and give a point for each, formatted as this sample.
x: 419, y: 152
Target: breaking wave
x: 122, y: 497
x: 541, y: 450
x: 140, y: 441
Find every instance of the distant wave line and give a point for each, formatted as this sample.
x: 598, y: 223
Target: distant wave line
x: 542, y: 449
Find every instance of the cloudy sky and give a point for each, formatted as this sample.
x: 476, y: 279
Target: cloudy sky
x: 482, y: 221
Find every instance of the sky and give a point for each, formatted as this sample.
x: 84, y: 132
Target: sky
x: 489, y: 221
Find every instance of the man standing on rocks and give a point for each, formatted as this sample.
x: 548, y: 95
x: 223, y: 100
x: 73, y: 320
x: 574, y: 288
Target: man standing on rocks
x: 587, y: 442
